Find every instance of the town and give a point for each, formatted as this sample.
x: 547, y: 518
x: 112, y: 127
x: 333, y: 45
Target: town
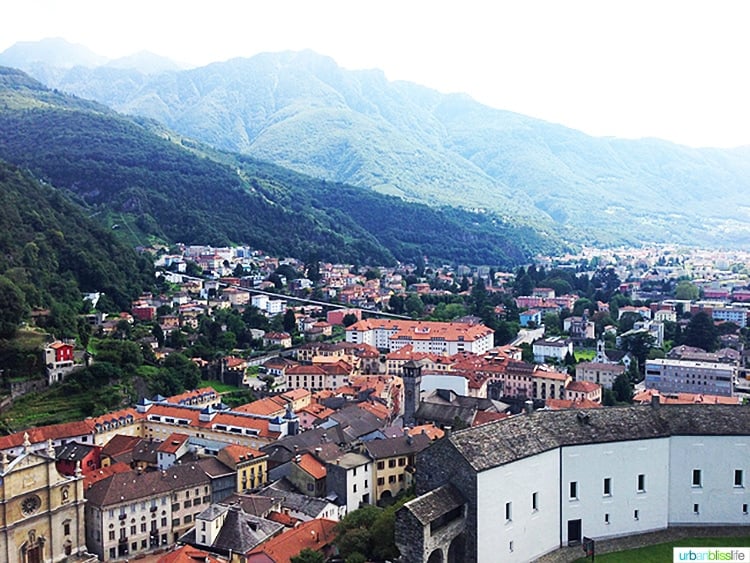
x: 308, y: 411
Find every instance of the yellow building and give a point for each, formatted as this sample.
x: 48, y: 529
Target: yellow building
x: 393, y: 463
x: 250, y: 465
x: 42, y: 514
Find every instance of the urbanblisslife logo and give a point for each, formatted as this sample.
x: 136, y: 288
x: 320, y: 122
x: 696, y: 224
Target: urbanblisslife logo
x: 731, y: 554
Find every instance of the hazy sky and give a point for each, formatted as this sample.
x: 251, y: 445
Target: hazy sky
x: 674, y: 69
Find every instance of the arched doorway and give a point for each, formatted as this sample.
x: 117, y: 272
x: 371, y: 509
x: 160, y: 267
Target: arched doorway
x: 457, y: 549
x: 436, y: 556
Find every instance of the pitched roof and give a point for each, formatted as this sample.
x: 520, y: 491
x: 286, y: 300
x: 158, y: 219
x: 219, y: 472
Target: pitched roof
x: 133, y: 485
x: 400, y: 445
x: 435, y: 503
x: 241, y: 532
x: 520, y: 436
x: 188, y: 554
x: 314, y: 534
x: 312, y: 466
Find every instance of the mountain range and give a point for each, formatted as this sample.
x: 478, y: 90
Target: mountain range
x: 150, y: 184
x: 302, y: 111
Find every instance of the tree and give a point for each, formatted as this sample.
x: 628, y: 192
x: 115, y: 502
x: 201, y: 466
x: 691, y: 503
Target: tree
x: 349, y: 319
x: 701, y: 332
x: 622, y: 389
x: 12, y: 307
x: 414, y: 305
x: 606, y: 282
x: 686, y: 291
x: 308, y: 555
x: 290, y: 321
x: 396, y: 304
x: 638, y: 344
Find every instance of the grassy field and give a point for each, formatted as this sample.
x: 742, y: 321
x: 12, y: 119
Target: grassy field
x: 218, y: 386
x: 584, y: 355
x: 662, y: 552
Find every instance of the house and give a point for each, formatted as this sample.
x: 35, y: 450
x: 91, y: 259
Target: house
x: 599, y: 373
x: 75, y: 457
x: 349, y: 477
x: 530, y: 317
x: 308, y: 474
x: 393, y: 464
x: 230, y: 531
x: 317, y: 535
x: 555, y: 348
x: 249, y: 465
x: 58, y: 359
x: 579, y: 328
x: 140, y: 511
x: 280, y: 339
x: 517, y: 489
x: 583, y: 390
x: 549, y: 384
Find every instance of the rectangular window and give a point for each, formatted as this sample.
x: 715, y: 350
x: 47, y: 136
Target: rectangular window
x: 534, y: 501
x: 607, y: 486
x: 696, y: 509
x: 66, y: 528
x: 744, y: 509
x: 354, y: 488
x: 696, y: 477
x: 381, y: 465
x: 641, y: 483
x: 573, y: 490
x: 381, y: 480
x: 739, y: 480
x: 187, y: 519
x: 510, y: 547
x: 606, y: 518
x: 391, y: 463
x: 636, y: 515
x: 175, y: 522
x: 111, y: 534
x: 508, y: 511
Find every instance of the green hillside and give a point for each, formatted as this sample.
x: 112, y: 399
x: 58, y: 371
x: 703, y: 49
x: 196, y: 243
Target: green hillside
x: 51, y: 253
x: 300, y: 110
x: 150, y: 184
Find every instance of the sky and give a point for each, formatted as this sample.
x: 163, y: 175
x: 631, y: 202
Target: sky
x: 676, y: 70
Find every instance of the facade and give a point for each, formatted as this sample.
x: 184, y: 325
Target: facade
x: 680, y: 376
x: 617, y: 472
x: 555, y: 348
x: 43, y: 511
x: 58, y: 358
x: 393, y: 463
x: 349, y: 477
x: 251, y: 466
x: 736, y: 315
x: 583, y: 390
x: 597, y: 372
x: 136, y: 512
x: 423, y: 336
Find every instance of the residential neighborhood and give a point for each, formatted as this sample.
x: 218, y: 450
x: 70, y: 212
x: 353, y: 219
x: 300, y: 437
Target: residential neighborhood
x: 309, y: 393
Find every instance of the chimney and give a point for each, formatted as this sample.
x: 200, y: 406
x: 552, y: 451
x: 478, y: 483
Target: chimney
x: 528, y: 406
x: 655, y: 400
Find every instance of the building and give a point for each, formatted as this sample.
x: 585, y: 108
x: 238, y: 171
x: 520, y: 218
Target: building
x: 58, y: 359
x: 349, y: 477
x: 43, y: 510
x: 140, y: 511
x: 554, y: 348
x: 583, y: 391
x: 736, y: 315
x: 601, y: 373
x: 423, y: 336
x: 393, y: 463
x: 250, y: 466
x: 519, y: 488
x: 680, y: 376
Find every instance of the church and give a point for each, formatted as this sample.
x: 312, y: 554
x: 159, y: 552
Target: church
x: 41, y: 514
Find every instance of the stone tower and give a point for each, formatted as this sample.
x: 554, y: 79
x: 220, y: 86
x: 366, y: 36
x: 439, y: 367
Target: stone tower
x: 412, y: 376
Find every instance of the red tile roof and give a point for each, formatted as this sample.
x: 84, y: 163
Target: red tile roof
x: 311, y: 465
x: 315, y: 534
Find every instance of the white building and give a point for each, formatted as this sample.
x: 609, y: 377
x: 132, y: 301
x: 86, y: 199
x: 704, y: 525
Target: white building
x: 689, y: 376
x: 555, y: 347
x: 567, y: 474
x: 423, y: 336
x: 350, y: 478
